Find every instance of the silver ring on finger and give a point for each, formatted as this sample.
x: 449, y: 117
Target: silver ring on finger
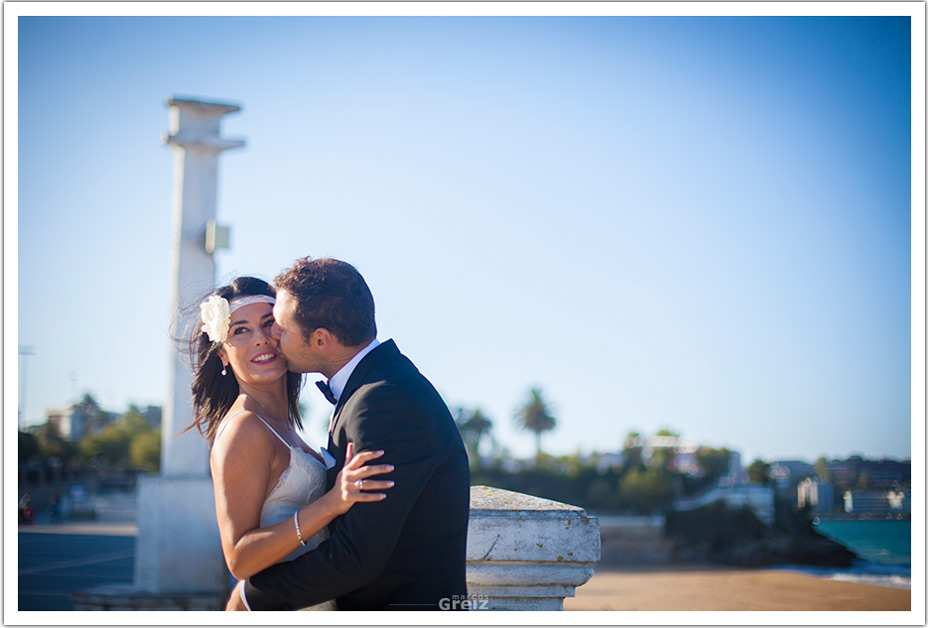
x: 359, y: 484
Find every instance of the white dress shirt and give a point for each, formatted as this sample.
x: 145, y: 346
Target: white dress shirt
x: 340, y: 379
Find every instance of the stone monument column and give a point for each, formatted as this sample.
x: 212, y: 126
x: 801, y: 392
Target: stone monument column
x: 178, y: 548
x: 194, y: 138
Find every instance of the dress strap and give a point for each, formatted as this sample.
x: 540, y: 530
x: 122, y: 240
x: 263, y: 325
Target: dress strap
x: 229, y: 418
x: 226, y: 421
x: 289, y: 446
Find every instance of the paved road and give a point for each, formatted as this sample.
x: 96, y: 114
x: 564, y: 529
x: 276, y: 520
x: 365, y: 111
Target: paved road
x: 56, y: 560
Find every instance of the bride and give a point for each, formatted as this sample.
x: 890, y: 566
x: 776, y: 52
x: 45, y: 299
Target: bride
x: 269, y: 485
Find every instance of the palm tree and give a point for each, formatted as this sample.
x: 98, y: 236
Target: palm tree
x: 473, y: 425
x: 94, y: 417
x: 535, y: 416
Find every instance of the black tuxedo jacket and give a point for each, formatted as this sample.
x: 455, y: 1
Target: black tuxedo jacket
x: 405, y: 552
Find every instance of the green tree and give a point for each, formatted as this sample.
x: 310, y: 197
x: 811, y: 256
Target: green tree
x: 714, y: 463
x: 664, y: 456
x: 473, y: 425
x: 89, y: 401
x: 52, y: 445
x: 571, y: 465
x: 145, y: 451
x: 632, y: 451
x: 28, y: 446
x: 647, y: 490
x: 603, y: 492
x: 759, y: 472
x: 821, y: 468
x: 536, y: 416
x: 94, y: 416
x: 134, y: 423
x: 855, y: 462
x: 113, y: 444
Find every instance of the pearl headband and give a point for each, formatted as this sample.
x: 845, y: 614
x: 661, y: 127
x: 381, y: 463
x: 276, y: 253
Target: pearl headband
x: 216, y: 313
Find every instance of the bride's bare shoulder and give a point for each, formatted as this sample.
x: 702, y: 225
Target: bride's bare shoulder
x: 240, y: 433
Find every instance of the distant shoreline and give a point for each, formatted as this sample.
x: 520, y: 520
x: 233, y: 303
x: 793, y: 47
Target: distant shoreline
x: 905, y: 516
x: 869, y: 573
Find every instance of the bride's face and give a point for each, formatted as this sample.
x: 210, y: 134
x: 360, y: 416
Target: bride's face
x: 249, y: 348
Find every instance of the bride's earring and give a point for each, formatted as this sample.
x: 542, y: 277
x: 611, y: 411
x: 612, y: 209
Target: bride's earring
x: 223, y: 370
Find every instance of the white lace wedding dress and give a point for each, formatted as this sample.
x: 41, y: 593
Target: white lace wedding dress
x: 301, y: 483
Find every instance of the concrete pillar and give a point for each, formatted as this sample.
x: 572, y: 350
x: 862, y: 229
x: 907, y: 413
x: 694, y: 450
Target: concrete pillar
x: 194, y: 138
x: 525, y: 552
x: 178, y: 547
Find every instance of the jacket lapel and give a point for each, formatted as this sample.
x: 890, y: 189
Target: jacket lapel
x: 383, y: 351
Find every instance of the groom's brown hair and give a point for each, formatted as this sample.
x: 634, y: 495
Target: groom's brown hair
x: 333, y: 295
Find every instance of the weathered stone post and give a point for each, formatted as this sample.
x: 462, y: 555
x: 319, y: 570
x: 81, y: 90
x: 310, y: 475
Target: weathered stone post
x: 525, y: 552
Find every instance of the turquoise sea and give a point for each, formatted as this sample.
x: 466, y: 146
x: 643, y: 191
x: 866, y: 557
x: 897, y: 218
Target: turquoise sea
x: 886, y: 542
x: 884, y: 548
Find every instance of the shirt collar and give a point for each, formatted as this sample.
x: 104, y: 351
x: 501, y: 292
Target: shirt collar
x: 340, y: 379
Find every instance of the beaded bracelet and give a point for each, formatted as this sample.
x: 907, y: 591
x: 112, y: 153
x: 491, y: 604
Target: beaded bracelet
x: 296, y: 522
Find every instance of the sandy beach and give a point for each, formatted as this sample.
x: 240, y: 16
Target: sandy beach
x: 710, y: 588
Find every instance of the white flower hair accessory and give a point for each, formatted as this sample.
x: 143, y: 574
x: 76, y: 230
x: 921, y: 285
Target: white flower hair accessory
x: 215, y: 315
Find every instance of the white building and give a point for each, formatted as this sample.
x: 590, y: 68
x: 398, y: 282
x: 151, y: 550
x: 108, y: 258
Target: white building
x: 816, y: 495
x: 877, y: 502
x: 685, y: 459
x: 760, y: 499
x: 78, y: 420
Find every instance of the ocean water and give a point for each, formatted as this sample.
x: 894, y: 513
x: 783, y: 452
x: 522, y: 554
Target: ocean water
x: 884, y: 547
x: 886, y: 542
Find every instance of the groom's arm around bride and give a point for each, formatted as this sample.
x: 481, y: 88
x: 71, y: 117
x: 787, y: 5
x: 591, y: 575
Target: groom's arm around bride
x: 406, y: 552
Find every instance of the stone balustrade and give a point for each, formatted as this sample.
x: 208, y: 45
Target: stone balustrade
x: 525, y: 552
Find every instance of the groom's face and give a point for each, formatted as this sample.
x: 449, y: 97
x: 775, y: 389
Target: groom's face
x: 289, y: 336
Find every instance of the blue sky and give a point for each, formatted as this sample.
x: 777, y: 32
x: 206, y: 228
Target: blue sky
x: 699, y: 223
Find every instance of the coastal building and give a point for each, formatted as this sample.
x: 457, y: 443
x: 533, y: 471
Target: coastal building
x: 77, y: 420
x: 759, y: 499
x: 814, y: 494
x: 900, y: 501
x: 152, y: 415
x: 882, y: 473
x: 80, y: 419
x: 783, y: 471
x: 685, y: 459
x: 893, y: 501
x: 657, y: 449
x: 681, y: 456
x: 859, y: 474
x: 840, y: 472
x: 736, y: 473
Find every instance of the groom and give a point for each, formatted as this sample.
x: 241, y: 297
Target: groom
x: 405, y: 552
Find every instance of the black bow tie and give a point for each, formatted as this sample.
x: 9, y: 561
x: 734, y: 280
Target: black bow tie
x: 329, y: 395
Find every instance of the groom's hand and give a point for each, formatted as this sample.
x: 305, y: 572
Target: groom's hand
x: 235, y: 600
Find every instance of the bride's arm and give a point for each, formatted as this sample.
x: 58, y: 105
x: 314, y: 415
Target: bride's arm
x: 240, y: 462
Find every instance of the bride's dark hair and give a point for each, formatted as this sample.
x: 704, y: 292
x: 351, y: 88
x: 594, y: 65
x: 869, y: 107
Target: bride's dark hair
x: 213, y: 393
